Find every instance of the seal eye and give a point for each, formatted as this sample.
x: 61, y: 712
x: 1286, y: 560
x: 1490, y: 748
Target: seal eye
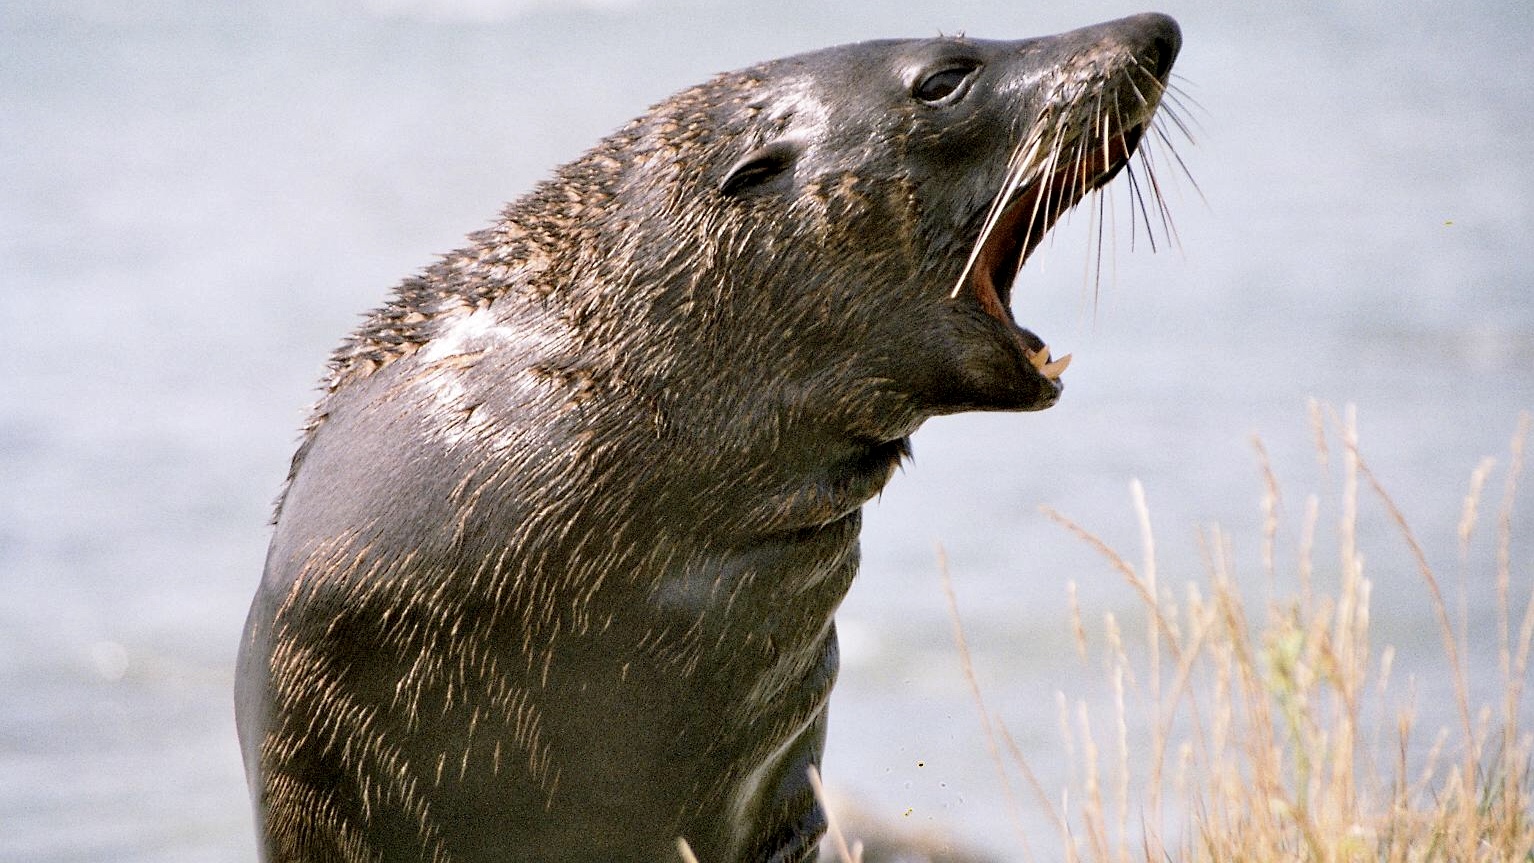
x: 944, y: 83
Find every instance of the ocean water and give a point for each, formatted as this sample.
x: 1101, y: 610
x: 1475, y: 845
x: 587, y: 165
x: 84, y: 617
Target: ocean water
x: 197, y: 200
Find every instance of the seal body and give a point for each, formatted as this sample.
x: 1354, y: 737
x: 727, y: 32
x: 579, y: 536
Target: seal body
x: 554, y: 573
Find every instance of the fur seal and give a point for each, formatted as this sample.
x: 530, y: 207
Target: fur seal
x: 553, y: 575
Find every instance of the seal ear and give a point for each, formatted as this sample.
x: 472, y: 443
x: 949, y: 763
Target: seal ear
x: 761, y: 165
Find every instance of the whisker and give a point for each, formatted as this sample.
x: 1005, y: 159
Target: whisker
x: 1016, y: 168
x: 1173, y: 113
x: 1120, y: 136
x: 1044, y: 202
x: 1133, y: 83
x: 1075, y: 188
x: 1096, y: 137
x: 1179, y: 83
x: 1151, y: 153
x: 1136, y: 187
x: 1097, y: 276
x: 1058, y: 153
x: 1176, y: 157
x: 1168, y: 226
x: 1113, y: 231
x: 1100, y: 117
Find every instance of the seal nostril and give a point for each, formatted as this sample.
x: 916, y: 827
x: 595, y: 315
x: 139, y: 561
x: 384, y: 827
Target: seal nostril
x: 1163, y: 52
x: 1165, y: 40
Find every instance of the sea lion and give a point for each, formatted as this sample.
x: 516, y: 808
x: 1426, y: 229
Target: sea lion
x: 553, y: 575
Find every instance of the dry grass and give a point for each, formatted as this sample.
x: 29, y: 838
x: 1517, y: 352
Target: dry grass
x: 1272, y: 731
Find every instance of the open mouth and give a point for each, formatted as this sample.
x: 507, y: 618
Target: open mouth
x: 1024, y: 221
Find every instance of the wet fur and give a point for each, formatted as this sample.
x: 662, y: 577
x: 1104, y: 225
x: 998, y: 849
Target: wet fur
x: 554, y: 573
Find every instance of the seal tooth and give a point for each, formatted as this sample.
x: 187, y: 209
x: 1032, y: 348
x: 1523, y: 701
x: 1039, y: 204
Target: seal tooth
x: 1055, y: 369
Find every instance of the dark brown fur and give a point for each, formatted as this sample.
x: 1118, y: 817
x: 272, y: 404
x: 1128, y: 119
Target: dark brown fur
x: 554, y: 575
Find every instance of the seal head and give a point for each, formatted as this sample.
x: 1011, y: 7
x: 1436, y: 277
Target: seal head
x: 554, y: 573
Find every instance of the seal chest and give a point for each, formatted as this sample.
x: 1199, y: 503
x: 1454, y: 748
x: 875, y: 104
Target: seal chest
x: 554, y: 573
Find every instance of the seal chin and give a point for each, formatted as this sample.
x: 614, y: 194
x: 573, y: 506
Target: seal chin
x: 1024, y: 221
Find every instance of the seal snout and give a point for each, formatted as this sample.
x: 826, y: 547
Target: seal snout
x: 1095, y: 103
x: 1152, y: 37
x: 1158, y: 35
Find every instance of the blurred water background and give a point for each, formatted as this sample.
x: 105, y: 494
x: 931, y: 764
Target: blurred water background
x: 198, y: 199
